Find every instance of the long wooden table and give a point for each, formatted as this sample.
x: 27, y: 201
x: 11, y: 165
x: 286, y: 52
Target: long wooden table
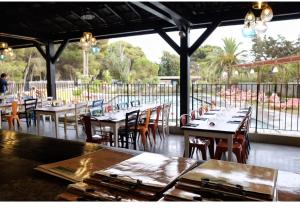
x: 116, y: 119
x: 222, y: 128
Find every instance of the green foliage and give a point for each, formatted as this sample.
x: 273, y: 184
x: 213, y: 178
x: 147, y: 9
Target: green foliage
x: 169, y: 64
x: 77, y: 92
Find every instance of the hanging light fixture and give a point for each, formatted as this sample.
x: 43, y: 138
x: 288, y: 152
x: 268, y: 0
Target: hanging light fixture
x: 252, y: 71
x: 5, y: 51
x: 87, y: 40
x: 95, y: 49
x: 257, y: 25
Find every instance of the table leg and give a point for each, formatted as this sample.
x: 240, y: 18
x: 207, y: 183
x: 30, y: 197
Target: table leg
x: 230, y: 142
x: 186, y: 144
x: 116, y: 135
x: 56, y: 125
x: 38, y: 116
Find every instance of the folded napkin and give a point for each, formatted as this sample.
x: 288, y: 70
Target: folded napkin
x: 191, y: 125
x: 234, y: 121
x: 202, y: 118
x: 238, y: 116
x: 209, y: 113
x: 215, y: 110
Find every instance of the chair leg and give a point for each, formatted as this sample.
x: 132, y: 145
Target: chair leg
x: 238, y: 156
x: 153, y: 134
x: 218, y: 154
x: 203, y: 152
x: 10, y: 123
x: 159, y: 134
x: 211, y: 148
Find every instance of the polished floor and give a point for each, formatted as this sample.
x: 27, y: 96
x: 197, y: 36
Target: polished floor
x: 281, y: 157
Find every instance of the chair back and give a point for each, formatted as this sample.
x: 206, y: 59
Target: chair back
x: 96, y: 111
x: 98, y: 103
x: 30, y: 104
x: 158, y: 110
x: 122, y: 105
x: 14, y: 108
x: 109, y: 108
x: 87, y: 126
x: 166, y: 113
x: 135, y: 103
x: 184, y: 119
x: 131, y: 122
x: 146, y: 113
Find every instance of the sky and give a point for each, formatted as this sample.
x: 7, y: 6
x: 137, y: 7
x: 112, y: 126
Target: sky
x: 153, y: 45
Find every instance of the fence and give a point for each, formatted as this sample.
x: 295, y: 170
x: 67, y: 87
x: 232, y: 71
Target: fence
x: 275, y: 106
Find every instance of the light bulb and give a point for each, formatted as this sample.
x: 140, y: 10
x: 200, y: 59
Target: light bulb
x: 252, y: 71
x: 236, y: 72
x: 266, y: 14
x: 248, y: 30
x: 275, y: 69
x: 250, y: 17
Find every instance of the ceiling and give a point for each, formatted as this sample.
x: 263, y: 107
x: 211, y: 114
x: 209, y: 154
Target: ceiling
x: 25, y: 23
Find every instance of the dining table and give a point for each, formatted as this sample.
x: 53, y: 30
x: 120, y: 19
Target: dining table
x: 117, y: 118
x: 55, y: 112
x: 219, y: 123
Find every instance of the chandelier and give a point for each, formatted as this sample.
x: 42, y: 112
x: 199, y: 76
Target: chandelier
x: 257, y: 25
x: 87, y: 41
x: 5, y: 51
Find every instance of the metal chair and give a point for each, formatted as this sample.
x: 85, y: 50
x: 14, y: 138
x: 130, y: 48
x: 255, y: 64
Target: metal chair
x: 29, y: 113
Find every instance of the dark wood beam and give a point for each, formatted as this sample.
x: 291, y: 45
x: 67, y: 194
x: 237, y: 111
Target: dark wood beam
x: 40, y: 49
x: 114, y: 12
x: 14, y: 36
x: 169, y: 40
x: 154, y: 11
x: 51, y: 86
x: 133, y: 10
x: 203, y: 37
x: 180, y: 21
x: 60, y: 50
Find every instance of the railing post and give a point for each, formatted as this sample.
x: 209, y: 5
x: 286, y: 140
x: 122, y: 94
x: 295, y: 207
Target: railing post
x: 88, y: 91
x: 192, y: 96
x: 176, y: 105
x: 127, y: 93
x: 256, y: 112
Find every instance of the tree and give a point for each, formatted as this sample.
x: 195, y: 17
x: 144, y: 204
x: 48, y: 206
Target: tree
x: 169, y: 65
x: 229, y: 55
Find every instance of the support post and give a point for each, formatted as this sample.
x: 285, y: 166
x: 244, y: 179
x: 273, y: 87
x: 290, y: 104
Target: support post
x: 184, y: 72
x: 51, y: 86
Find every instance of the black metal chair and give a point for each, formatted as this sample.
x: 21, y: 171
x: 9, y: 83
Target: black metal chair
x: 123, y: 105
x: 29, y: 113
x: 130, y: 129
x: 135, y: 103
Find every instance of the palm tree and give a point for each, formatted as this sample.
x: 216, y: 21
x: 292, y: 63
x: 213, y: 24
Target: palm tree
x: 226, y: 57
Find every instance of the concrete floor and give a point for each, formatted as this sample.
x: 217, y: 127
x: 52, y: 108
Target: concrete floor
x: 281, y: 157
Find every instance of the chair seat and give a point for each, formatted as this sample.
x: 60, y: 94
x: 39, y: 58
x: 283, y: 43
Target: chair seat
x: 224, y: 146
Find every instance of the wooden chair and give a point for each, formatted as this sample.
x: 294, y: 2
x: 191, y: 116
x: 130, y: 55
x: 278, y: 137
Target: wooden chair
x: 238, y: 146
x: 13, y: 116
x: 153, y: 125
x: 165, y: 119
x: 198, y: 143
x: 143, y: 127
x: 96, y: 138
x: 72, y: 119
x: 29, y: 113
x: 129, y: 131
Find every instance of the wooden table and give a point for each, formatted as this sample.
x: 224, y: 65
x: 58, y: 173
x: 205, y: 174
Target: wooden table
x: 221, y: 129
x: 20, y: 153
x: 54, y: 112
x: 116, y: 119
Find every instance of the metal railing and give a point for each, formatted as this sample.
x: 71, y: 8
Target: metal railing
x: 275, y: 106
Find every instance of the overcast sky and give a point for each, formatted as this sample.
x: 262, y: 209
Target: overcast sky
x: 153, y: 44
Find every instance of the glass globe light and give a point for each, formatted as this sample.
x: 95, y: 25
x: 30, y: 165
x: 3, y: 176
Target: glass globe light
x: 252, y: 71
x: 250, y: 17
x: 260, y: 26
x: 248, y: 30
x: 266, y: 14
